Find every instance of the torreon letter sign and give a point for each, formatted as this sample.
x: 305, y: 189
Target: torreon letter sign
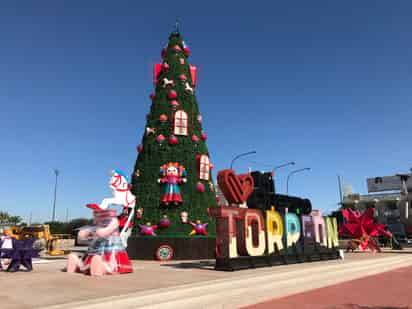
x: 247, y: 238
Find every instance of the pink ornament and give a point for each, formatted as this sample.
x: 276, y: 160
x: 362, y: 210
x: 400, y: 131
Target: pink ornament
x: 199, y: 118
x: 147, y: 229
x: 139, y: 148
x: 174, y: 104
x: 173, y: 140
x: 200, y: 187
x: 203, y: 136
x: 182, y: 61
x: 182, y: 77
x: 164, y: 222
x: 172, y: 95
x: 163, y: 118
x: 165, y: 66
x: 176, y: 48
x: 195, y: 139
x: 160, y: 138
x: 199, y: 228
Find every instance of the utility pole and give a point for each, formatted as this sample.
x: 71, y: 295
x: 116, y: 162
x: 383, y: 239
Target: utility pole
x: 340, y: 190
x: 56, y: 172
x: 404, y: 191
x: 67, y: 215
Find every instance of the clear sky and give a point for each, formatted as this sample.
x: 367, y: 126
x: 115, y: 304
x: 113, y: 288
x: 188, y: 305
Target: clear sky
x: 324, y: 83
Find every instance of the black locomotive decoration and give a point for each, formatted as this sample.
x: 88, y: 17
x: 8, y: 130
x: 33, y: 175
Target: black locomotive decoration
x: 264, y: 196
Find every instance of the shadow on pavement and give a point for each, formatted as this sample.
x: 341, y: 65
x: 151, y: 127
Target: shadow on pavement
x: 205, y: 265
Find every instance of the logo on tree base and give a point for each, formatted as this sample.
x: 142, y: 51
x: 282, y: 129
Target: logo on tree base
x: 164, y: 253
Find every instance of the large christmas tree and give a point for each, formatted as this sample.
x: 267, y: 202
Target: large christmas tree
x: 172, y: 174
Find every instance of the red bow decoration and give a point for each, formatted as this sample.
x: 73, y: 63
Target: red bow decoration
x: 361, y: 226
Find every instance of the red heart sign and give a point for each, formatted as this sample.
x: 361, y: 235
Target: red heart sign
x: 236, y: 189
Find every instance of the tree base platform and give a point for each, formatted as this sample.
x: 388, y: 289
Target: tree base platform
x: 171, y: 248
x: 318, y: 253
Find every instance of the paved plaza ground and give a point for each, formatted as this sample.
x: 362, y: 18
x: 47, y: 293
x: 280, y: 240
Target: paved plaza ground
x: 187, y: 284
x: 390, y: 290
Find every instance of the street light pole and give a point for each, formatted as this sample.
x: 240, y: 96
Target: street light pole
x: 294, y: 172
x: 56, y: 172
x: 240, y: 155
x: 283, y: 165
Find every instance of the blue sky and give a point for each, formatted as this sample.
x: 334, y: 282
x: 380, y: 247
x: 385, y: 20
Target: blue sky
x: 323, y: 83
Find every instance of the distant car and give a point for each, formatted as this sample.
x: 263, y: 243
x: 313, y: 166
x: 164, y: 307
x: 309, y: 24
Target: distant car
x: 78, y: 240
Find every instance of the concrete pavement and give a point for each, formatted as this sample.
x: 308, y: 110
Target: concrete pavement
x: 184, y: 284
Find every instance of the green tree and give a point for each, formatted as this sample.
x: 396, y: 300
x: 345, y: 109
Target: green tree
x: 57, y: 227
x: 174, y: 133
x: 15, y: 220
x: 4, y: 217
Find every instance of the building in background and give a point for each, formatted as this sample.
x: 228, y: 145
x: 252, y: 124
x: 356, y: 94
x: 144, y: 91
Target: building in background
x: 390, y: 196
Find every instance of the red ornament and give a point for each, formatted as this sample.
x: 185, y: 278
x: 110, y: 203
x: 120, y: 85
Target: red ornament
x: 165, y: 66
x: 203, y: 136
x: 163, y: 118
x: 160, y: 138
x: 139, y: 148
x: 172, y: 95
x: 152, y: 96
x: 157, y: 69
x: 164, y: 222
x: 195, y: 139
x: 174, y: 104
x: 164, y: 52
x: 186, y: 50
x: 193, y: 74
x: 200, y: 187
x: 173, y: 140
x: 182, y: 77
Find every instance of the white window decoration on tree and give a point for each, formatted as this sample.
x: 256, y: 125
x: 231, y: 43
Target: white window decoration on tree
x: 204, y: 167
x: 180, y: 123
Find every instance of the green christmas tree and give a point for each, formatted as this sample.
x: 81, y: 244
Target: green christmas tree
x: 172, y: 174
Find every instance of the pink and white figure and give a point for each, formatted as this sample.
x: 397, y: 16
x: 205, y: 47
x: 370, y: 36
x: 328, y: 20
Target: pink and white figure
x: 106, y: 254
x: 122, y: 196
x: 173, y: 174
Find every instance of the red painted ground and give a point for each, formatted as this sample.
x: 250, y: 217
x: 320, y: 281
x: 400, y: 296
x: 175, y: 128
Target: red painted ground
x: 390, y: 290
